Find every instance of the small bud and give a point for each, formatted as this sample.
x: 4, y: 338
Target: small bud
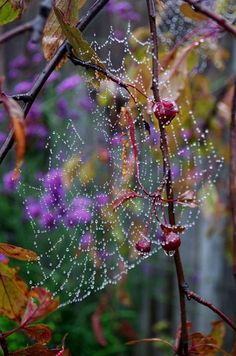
x: 143, y: 245
x: 165, y: 110
x: 170, y: 242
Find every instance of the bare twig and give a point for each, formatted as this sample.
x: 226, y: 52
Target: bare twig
x: 42, y: 78
x: 232, y: 188
x: 192, y: 295
x: 221, y: 21
x: 183, y: 345
x: 28, y: 26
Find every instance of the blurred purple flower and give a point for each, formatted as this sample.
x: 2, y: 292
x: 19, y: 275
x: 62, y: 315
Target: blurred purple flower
x: 3, y: 258
x: 81, y: 202
x: 35, y: 111
x: 33, y: 208
x: 86, y: 240
x: 116, y: 139
x: 62, y: 107
x: 76, y: 217
x: 23, y: 87
x: 54, y: 76
x: 10, y: 184
x: 86, y: 104
x: 53, y: 182
x: 37, y: 58
x: 19, y: 62
x: 39, y: 130
x: 101, y: 199
x: 2, y: 137
x: 48, y: 220
x: 124, y: 9
x: 13, y: 73
x: 69, y: 83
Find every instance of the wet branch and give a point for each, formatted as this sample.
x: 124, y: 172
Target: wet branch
x: 183, y: 345
x: 30, y: 97
x: 232, y: 187
x: 27, y: 26
x: 221, y: 21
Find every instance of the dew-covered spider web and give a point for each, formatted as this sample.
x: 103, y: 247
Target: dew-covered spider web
x: 84, y: 232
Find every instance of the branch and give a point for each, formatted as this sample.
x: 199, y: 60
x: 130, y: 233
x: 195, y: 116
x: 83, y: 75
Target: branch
x: 221, y: 21
x: 183, y: 345
x: 42, y: 78
x: 3, y: 345
x: 28, y: 26
x: 232, y: 187
x: 191, y: 295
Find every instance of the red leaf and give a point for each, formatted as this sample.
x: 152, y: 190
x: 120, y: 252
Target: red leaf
x: 130, y: 194
x: 40, y: 304
x: 40, y: 350
x: 96, y: 323
x: 40, y: 333
x: 17, y: 117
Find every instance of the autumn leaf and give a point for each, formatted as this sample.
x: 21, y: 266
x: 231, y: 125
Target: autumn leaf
x: 40, y: 333
x: 17, y: 252
x: 40, y: 304
x: 81, y: 47
x: 17, y: 118
x: 53, y: 35
x: 13, y: 293
x: 188, y: 199
x: 218, y: 332
x: 127, y: 195
x: 10, y: 10
x: 188, y: 11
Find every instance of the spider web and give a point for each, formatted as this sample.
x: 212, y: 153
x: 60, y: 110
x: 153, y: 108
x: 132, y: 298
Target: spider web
x: 87, y: 244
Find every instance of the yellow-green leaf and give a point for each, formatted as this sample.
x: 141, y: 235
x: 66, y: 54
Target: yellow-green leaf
x: 13, y: 293
x: 188, y: 11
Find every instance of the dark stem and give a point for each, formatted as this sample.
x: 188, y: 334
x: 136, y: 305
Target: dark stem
x: 221, y: 21
x: 183, y: 345
x: 28, y: 26
x: 191, y: 295
x: 232, y: 187
x: 3, y: 345
x: 33, y: 93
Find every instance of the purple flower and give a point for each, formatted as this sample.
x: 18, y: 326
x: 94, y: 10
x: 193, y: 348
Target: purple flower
x: 13, y: 73
x: 76, y: 217
x: 62, y: 107
x: 54, y: 184
x: 86, y: 104
x: 35, y: 111
x: 81, y: 202
x: 116, y: 139
x: 33, y: 209
x: 9, y: 183
x: 102, y: 199
x: 37, y: 58
x: 48, y: 220
x: 39, y: 130
x: 86, y: 240
x: 2, y: 137
x: 18, y: 62
x: 69, y: 83
x: 53, y: 76
x: 123, y: 9
x: 23, y: 87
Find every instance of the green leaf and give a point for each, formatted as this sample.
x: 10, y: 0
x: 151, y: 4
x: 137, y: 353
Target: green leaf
x: 10, y: 10
x: 80, y: 46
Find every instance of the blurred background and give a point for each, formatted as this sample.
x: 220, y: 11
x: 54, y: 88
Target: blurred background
x: 143, y: 303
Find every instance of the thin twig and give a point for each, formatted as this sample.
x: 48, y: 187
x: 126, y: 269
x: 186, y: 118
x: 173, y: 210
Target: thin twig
x: 183, y: 345
x: 232, y: 187
x: 221, y: 21
x: 192, y: 295
x: 27, y: 26
x: 3, y: 344
x: 42, y: 78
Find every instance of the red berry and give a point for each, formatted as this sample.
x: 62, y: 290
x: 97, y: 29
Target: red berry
x: 165, y: 110
x: 170, y: 242
x: 143, y: 245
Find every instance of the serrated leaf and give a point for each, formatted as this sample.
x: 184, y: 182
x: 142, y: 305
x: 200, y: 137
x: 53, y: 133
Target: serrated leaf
x: 40, y: 333
x: 188, y: 11
x: 17, y: 252
x: 53, y: 35
x: 16, y: 115
x: 10, y: 10
x: 40, y: 304
x: 40, y: 350
x: 127, y: 195
x: 13, y: 293
x: 81, y: 47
